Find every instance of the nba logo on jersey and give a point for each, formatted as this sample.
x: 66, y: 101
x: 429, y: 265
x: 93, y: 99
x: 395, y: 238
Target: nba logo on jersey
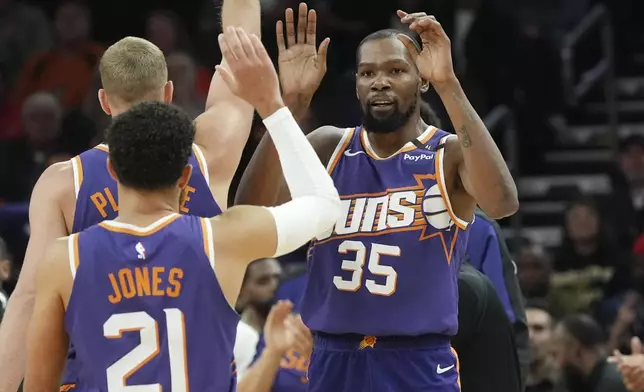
x: 140, y: 250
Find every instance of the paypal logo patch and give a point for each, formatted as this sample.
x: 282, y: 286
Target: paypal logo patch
x: 418, y: 157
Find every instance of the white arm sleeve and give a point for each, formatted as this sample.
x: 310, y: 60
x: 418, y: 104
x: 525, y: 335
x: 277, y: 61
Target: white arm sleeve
x: 315, y: 203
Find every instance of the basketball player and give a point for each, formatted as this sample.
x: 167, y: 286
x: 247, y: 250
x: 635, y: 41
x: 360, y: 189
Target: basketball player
x: 280, y: 354
x: 382, y: 295
x: 160, y: 286
x: 77, y: 194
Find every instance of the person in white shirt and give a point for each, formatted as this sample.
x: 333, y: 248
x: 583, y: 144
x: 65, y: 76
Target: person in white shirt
x: 269, y: 337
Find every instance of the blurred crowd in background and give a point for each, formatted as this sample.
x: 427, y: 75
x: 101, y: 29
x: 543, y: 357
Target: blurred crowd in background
x: 507, y: 54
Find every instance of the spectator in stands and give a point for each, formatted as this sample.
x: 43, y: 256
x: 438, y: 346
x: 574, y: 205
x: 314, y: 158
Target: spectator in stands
x: 534, y: 270
x: 590, y: 262
x: 23, y: 160
x: 542, y: 375
x: 625, y: 322
x: 5, y: 274
x: 256, y: 297
x: 9, y: 110
x: 66, y: 70
x: 183, y: 72
x: 24, y: 31
x: 165, y: 29
x: 623, y: 313
x: 629, y: 185
x: 538, y: 282
x: 283, y: 343
x: 578, y: 344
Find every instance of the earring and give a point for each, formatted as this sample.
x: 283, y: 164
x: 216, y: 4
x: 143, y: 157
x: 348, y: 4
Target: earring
x: 424, y: 88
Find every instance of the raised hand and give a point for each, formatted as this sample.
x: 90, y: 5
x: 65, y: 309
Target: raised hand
x: 249, y: 71
x: 434, y: 61
x: 301, y: 65
x: 278, y: 335
x: 631, y: 366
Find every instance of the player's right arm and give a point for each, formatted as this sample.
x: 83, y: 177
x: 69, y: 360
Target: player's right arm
x: 46, y: 224
x: 246, y: 233
x: 263, y: 184
x: 223, y: 129
x: 302, y: 68
x: 48, y: 340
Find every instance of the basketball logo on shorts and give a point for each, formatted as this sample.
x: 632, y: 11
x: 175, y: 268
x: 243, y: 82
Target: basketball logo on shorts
x: 367, y: 341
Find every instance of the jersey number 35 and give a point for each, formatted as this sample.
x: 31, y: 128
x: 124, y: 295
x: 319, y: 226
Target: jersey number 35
x: 372, y: 258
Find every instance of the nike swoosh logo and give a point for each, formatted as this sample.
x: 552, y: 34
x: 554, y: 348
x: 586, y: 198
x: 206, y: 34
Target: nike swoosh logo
x: 441, y: 370
x: 352, y: 154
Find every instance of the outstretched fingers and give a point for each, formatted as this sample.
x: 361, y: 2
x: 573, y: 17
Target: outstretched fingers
x: 311, y: 27
x: 290, y: 27
x: 279, y: 33
x: 302, y: 15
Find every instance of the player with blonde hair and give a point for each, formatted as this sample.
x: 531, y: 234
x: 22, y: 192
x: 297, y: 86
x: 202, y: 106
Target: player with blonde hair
x: 79, y: 193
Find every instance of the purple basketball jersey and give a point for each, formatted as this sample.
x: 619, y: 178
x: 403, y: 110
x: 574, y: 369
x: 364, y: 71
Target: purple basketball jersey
x: 146, y: 308
x: 390, y: 265
x: 97, y: 198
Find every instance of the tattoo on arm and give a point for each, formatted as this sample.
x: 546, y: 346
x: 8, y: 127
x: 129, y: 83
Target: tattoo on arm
x: 462, y: 132
x: 464, y: 137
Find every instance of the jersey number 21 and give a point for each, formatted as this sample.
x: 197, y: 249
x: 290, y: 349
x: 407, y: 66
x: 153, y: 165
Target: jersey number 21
x: 147, y: 327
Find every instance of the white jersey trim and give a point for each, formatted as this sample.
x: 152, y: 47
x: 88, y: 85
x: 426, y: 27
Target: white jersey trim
x: 338, y: 148
x: 76, y: 170
x: 202, y: 160
x: 423, y: 138
x: 71, y: 248
x: 139, y: 229
x: 440, y: 163
x: 211, y: 245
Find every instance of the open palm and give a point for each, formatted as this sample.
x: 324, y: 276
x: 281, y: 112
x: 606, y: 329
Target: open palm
x: 277, y: 334
x: 301, y: 65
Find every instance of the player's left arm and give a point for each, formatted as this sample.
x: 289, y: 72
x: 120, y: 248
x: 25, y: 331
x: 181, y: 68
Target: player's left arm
x: 223, y: 129
x: 482, y: 171
x: 47, y: 340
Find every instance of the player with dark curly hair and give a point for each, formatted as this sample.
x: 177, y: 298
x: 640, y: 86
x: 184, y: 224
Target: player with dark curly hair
x: 157, y: 288
x: 76, y: 194
x: 139, y: 141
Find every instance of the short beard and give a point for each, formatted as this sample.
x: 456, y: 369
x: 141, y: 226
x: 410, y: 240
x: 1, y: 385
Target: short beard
x: 263, y: 308
x: 388, y: 124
